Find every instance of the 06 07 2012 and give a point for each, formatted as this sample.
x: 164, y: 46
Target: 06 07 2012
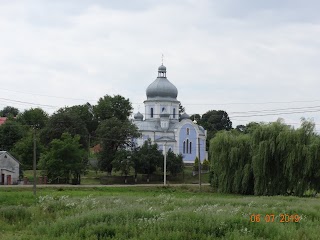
x: 283, y: 218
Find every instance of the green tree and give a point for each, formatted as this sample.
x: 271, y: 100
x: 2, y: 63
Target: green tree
x: 122, y: 162
x: 83, y: 112
x: 9, y: 111
x: 174, y: 163
x: 113, y: 134
x: 62, y: 122
x: 206, y: 165
x: 23, y: 149
x: 65, y: 159
x: 109, y: 107
x: 33, y: 117
x: 214, y: 121
x: 269, y: 158
x: 196, y: 164
x: 135, y: 159
x: 195, y: 117
x: 231, y: 163
x: 10, y: 133
x: 150, y: 158
x: 241, y: 128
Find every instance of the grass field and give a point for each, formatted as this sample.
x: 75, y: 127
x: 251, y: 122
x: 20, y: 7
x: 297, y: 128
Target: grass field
x: 151, y: 213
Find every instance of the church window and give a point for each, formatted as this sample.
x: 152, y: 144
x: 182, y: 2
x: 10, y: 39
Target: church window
x: 188, y: 131
x: 184, y: 146
x: 187, y: 145
x: 174, y: 113
x: 190, y: 150
x: 151, y: 112
x: 163, y: 109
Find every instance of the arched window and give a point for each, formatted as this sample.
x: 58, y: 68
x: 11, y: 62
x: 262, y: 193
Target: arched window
x: 190, y: 148
x: 188, y: 131
x: 187, y: 145
x: 174, y: 113
x: 163, y: 109
x: 151, y: 110
x: 184, y: 146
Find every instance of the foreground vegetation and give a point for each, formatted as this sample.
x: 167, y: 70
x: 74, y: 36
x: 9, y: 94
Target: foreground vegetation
x: 267, y: 159
x: 151, y: 213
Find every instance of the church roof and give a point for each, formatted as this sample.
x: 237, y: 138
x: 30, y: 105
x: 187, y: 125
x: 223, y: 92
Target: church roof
x: 154, y: 126
x: 165, y: 139
x: 184, y: 116
x: 162, y: 87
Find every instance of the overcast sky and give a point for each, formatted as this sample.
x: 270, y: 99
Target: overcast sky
x: 238, y: 56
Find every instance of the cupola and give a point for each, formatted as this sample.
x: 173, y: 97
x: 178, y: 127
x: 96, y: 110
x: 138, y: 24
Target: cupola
x: 162, y: 87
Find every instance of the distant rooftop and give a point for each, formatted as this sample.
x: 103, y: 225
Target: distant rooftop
x: 2, y: 120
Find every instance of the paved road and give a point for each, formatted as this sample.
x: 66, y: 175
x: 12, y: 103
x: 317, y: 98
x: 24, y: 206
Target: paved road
x: 94, y: 186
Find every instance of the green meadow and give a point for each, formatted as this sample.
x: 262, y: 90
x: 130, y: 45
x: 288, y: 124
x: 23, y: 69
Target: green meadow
x: 153, y: 213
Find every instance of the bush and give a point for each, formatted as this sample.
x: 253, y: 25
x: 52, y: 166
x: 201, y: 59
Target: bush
x: 205, y: 165
x: 196, y: 164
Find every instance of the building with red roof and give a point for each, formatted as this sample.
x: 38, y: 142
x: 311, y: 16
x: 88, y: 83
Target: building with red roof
x: 2, y: 120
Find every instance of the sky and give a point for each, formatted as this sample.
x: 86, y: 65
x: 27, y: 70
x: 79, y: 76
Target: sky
x: 257, y: 60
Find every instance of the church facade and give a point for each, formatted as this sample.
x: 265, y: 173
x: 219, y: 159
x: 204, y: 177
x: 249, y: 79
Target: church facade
x: 163, y: 125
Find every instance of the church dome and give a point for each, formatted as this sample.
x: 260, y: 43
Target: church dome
x: 162, y: 87
x: 138, y: 116
x: 184, y: 116
x: 162, y: 68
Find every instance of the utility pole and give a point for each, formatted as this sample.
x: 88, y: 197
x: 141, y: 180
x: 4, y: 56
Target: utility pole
x: 199, y: 165
x: 34, y: 162
x: 165, y: 165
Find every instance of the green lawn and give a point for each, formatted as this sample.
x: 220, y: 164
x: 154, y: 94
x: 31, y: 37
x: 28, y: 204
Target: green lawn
x: 151, y: 213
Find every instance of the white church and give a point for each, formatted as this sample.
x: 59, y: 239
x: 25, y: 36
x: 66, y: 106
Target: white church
x: 163, y: 125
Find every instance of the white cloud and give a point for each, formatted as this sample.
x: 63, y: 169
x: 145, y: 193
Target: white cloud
x: 215, y: 53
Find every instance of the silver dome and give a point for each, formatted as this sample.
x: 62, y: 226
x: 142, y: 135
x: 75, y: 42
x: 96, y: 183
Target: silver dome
x: 162, y: 69
x: 162, y: 87
x: 138, y: 116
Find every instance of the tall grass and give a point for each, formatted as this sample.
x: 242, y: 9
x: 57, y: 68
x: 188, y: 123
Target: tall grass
x: 159, y: 213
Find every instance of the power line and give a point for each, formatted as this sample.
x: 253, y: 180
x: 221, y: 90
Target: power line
x: 274, y: 114
x: 43, y: 95
x: 274, y: 110
x: 254, y: 103
x: 23, y: 102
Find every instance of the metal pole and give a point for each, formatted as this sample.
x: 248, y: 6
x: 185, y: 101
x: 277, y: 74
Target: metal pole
x: 34, y: 163
x: 199, y: 165
x: 165, y: 166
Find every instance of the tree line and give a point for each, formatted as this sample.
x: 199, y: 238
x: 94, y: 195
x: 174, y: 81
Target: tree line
x: 63, y: 139
x: 266, y: 159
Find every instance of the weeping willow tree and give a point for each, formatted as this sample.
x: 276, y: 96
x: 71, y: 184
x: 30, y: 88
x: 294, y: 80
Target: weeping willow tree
x: 231, y: 161
x: 272, y: 159
x: 268, y: 158
x: 302, y: 159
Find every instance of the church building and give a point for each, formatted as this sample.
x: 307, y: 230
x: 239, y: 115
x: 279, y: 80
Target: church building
x: 163, y: 125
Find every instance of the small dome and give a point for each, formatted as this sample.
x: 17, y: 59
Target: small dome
x: 184, y: 116
x: 162, y: 69
x: 162, y: 87
x: 138, y: 116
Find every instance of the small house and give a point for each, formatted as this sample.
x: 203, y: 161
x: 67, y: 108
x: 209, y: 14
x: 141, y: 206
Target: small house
x: 9, y: 169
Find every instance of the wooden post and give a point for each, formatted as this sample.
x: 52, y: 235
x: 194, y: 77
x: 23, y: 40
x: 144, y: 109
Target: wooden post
x: 34, y: 163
